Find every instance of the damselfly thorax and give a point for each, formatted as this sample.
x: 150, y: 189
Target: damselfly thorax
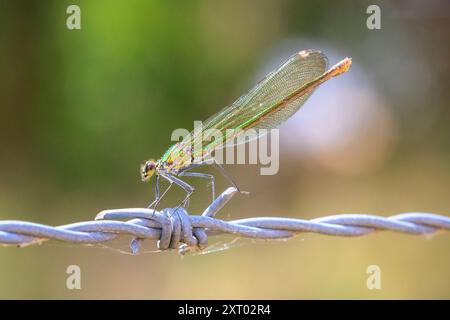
x: 271, y: 102
x: 177, y: 162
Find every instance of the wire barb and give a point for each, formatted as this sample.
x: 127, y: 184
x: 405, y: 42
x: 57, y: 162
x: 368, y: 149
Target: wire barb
x: 176, y: 229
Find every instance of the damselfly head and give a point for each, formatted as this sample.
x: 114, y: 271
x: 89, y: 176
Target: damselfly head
x: 148, y: 168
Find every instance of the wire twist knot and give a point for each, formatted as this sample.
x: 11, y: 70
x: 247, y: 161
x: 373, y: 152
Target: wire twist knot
x: 176, y: 230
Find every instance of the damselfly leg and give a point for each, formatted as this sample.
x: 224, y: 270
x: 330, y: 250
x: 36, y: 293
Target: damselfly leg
x: 227, y: 176
x: 154, y: 204
x: 172, y: 179
x: 203, y: 176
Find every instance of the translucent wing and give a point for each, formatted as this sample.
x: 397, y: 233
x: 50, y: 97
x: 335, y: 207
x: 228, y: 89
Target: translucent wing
x: 251, y: 110
x: 301, y: 69
x: 256, y: 108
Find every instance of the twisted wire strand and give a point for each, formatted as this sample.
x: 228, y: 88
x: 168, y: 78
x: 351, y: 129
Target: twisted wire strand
x: 176, y: 229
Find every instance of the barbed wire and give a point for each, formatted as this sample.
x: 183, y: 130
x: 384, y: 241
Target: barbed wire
x: 176, y: 229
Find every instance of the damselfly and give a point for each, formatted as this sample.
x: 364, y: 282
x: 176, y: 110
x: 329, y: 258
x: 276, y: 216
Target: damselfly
x: 271, y: 102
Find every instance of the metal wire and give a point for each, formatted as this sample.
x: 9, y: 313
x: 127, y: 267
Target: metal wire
x: 176, y: 229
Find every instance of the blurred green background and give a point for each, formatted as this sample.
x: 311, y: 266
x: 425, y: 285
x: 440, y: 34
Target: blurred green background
x: 81, y: 109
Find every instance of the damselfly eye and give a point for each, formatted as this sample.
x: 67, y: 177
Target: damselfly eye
x: 148, y: 169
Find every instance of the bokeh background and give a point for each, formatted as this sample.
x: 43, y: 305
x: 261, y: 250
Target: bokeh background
x: 81, y: 109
